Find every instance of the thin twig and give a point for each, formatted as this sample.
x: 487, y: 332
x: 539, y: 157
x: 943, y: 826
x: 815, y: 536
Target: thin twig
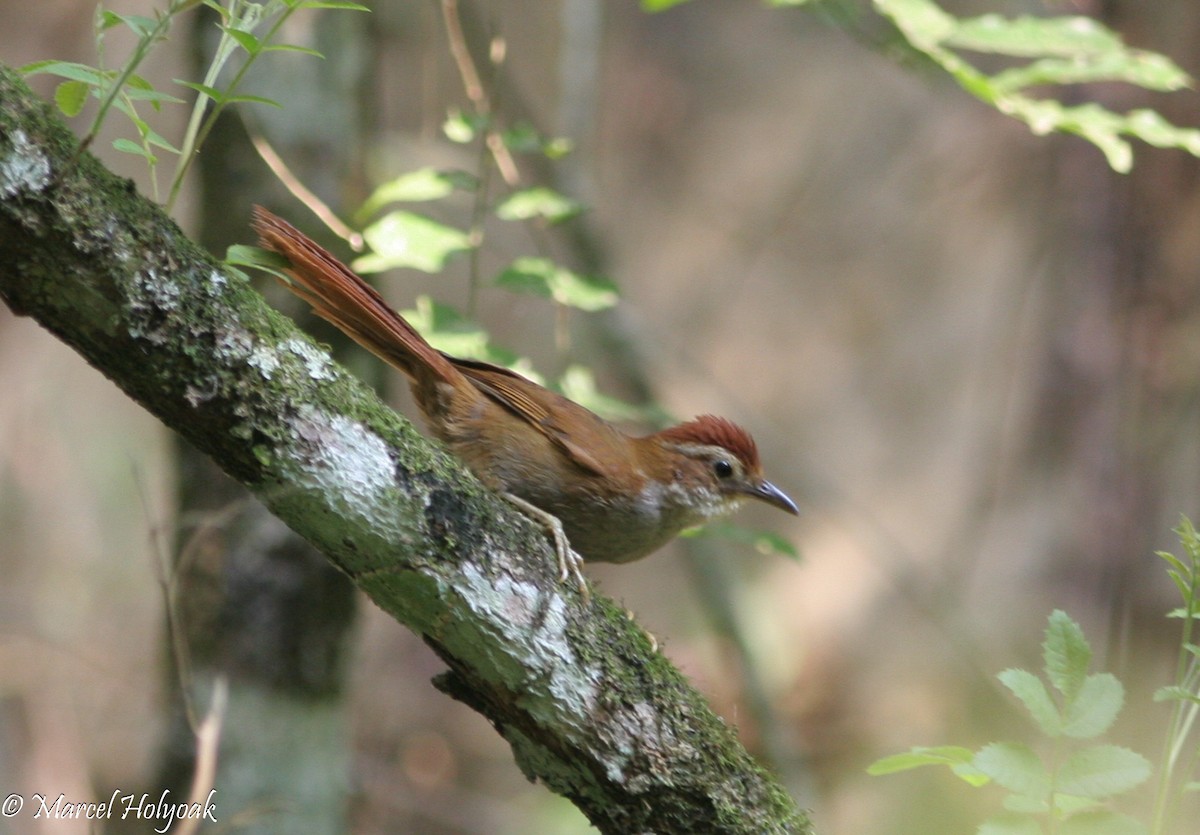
x: 298, y: 190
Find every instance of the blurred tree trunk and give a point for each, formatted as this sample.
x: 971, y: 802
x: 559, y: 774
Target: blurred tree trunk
x: 256, y: 603
x: 1114, y: 406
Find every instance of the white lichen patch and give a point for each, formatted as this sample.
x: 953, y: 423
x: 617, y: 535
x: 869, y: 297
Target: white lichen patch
x: 153, y: 289
x: 342, y: 456
x: 641, y: 731
x: 217, y: 282
x: 265, y: 359
x: 233, y: 345
x: 316, y: 362
x: 24, y: 167
x: 535, y: 633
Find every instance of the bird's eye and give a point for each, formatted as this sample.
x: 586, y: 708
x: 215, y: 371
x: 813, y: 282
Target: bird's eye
x: 722, y: 468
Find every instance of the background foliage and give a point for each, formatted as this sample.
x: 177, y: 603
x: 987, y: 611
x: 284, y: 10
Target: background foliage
x: 970, y: 351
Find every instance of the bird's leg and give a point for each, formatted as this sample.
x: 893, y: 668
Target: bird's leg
x: 569, y: 562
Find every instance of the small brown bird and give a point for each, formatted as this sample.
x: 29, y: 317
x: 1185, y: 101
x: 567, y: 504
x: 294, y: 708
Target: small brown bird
x: 604, y: 495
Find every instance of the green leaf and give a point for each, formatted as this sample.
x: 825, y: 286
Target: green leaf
x: 152, y: 137
x: 448, y: 330
x: 922, y: 21
x: 403, y: 239
x: 1027, y: 805
x: 1015, y: 767
x: 1102, y: 822
x: 1175, y: 693
x: 128, y: 146
x: 246, y: 98
x: 960, y: 760
x: 579, y: 385
x: 765, y: 542
x: 212, y: 92
x: 660, y: 5
x: 141, y: 25
x: 1066, y: 50
x: 522, y: 138
x: 1144, y: 69
x: 68, y: 69
x: 245, y: 40
x: 416, y: 186
x: 151, y: 95
x: 292, y: 47
x: 1034, y: 36
x: 334, y: 4
x: 1067, y: 654
x: 107, y: 19
x: 1033, y: 694
x: 1095, y: 707
x: 266, y: 260
x: 538, y: 202
x: 1102, y: 771
x: 461, y: 128
x: 1010, y: 823
x: 545, y: 278
x: 70, y: 96
x: 1153, y: 129
x: 1069, y: 804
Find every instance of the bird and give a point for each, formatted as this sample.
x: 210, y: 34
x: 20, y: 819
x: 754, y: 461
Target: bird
x: 603, y: 495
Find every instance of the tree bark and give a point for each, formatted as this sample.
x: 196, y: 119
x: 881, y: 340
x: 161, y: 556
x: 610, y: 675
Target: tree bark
x: 587, y: 706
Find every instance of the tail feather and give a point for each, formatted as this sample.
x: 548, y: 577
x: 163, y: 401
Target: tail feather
x: 355, y: 307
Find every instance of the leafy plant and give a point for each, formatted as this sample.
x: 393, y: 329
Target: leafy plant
x: 1070, y: 787
x: 1045, y: 52
x: 1068, y: 791
x: 1177, y: 772
x: 126, y: 91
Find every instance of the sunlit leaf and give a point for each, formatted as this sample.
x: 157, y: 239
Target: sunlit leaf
x: 70, y: 96
x: 420, y: 185
x: 1095, y: 706
x: 660, y: 5
x: 1033, y: 36
x: 538, y: 202
x: 960, y: 760
x: 459, y: 127
x: 1102, y: 771
x: 1010, y: 823
x: 1102, y: 822
x: 1015, y: 767
x: 334, y: 4
x: 403, y: 239
x: 449, y: 331
x: 545, y: 278
x: 1174, y: 692
x: 1066, y: 653
x: 1144, y: 69
x: 1032, y: 692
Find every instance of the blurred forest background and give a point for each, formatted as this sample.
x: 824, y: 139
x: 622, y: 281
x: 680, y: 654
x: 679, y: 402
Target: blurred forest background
x: 969, y: 353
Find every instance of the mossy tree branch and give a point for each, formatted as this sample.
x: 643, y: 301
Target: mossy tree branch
x: 587, y: 706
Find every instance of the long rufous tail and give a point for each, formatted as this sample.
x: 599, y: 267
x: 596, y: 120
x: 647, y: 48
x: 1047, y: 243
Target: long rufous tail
x: 337, y: 294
